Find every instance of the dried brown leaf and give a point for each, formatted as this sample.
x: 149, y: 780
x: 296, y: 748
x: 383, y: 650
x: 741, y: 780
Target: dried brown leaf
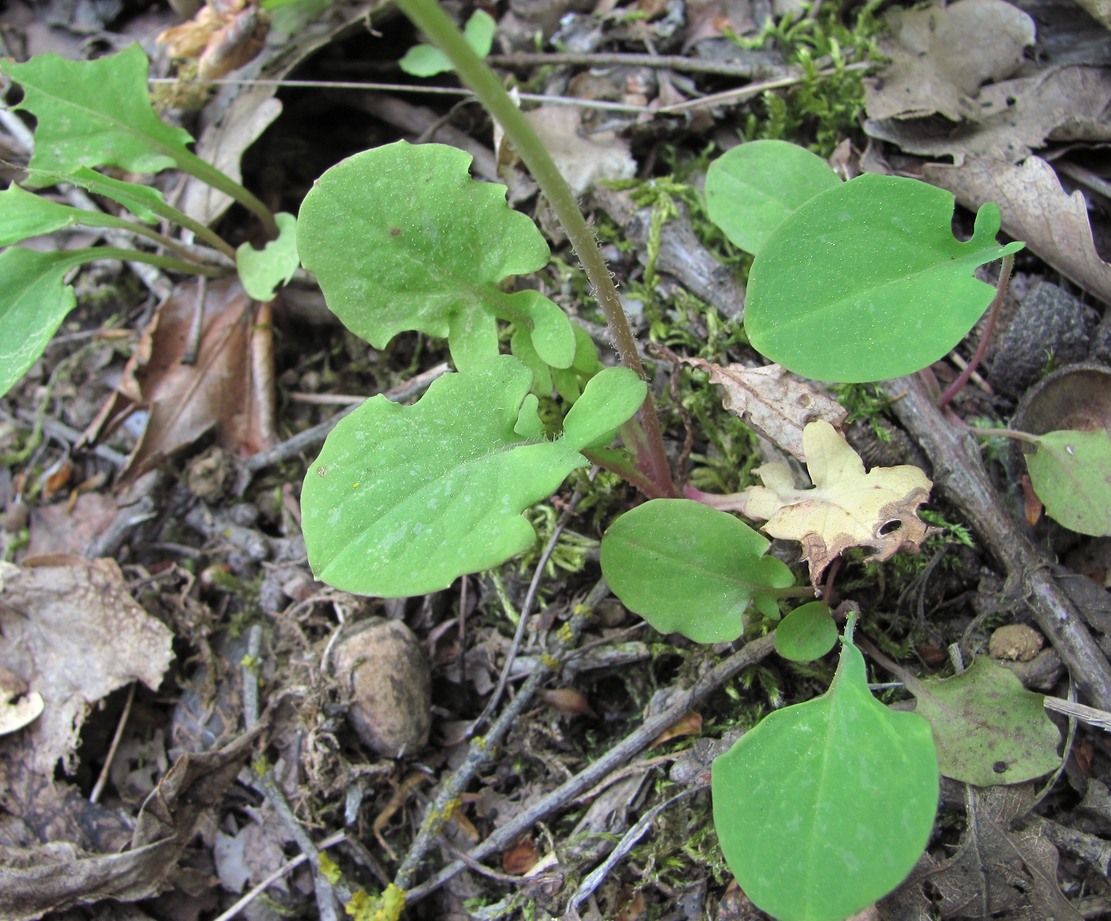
x: 59, y: 875
x: 772, y: 401
x: 216, y: 391
x: 846, y: 506
x: 74, y: 635
x: 1007, y: 121
x: 1036, y: 209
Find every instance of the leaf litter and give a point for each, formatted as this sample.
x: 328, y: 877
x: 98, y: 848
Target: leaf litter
x: 1050, y: 113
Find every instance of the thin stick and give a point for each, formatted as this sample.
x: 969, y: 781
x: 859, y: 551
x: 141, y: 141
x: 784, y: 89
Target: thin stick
x: 98, y: 787
x: 617, y: 756
x: 526, y: 612
x: 251, y: 894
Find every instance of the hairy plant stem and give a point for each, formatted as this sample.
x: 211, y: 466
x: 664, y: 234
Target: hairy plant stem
x: 438, y: 27
x: 208, y: 174
x: 993, y: 314
x: 97, y: 253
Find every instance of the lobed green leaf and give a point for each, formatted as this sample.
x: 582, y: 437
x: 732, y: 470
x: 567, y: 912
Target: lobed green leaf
x: 866, y: 281
x: 95, y: 113
x: 825, y: 807
x: 401, y: 238
x: 263, y: 271
x: 404, y: 499
x: 690, y: 569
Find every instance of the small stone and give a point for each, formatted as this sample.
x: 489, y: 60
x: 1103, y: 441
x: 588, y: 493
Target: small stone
x: 1016, y: 642
x: 386, y: 675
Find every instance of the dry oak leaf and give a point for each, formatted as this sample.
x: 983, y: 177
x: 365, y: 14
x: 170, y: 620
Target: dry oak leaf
x: 846, y: 506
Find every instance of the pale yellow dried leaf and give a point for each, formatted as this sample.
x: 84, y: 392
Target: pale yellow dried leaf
x: 846, y: 507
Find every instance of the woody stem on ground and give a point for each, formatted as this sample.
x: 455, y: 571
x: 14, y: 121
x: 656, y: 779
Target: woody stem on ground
x: 442, y: 32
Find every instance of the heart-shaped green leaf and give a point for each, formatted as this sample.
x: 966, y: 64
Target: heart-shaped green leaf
x: 95, y: 113
x: 404, y: 499
x: 866, y: 281
x: 826, y: 806
x: 263, y: 271
x: 401, y: 238
x: 34, y: 299
x: 988, y: 728
x: 1071, y: 473
x: 687, y: 568
x: 755, y: 187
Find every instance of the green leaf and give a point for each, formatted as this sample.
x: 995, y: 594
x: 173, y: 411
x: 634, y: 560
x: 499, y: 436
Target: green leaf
x: 263, y: 271
x: 866, y: 282
x: 404, y: 499
x: 612, y: 394
x: 988, y: 728
x: 24, y: 214
x: 95, y: 113
x: 755, y: 187
x: 34, y: 300
x: 690, y: 569
x: 401, y: 238
x: 427, y: 61
x: 807, y: 633
x: 1071, y: 473
x: 825, y: 806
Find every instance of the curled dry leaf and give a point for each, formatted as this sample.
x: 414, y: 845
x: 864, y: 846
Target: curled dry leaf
x: 74, y: 635
x: 773, y: 401
x: 223, y: 36
x: 1036, y: 209
x: 228, y: 387
x: 846, y: 506
x: 18, y: 708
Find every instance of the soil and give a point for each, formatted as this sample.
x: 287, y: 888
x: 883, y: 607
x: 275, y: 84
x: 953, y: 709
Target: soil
x: 224, y: 736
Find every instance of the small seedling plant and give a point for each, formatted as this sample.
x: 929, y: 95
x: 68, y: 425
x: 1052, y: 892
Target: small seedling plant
x: 825, y: 806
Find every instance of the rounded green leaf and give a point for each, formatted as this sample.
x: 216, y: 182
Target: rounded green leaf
x: 401, y: 238
x: 690, y: 569
x: 404, y: 499
x: 427, y: 61
x: 755, y: 187
x: 826, y: 806
x: 95, y: 113
x: 866, y: 281
x: 1071, y: 473
x: 988, y: 728
x: 612, y: 393
x: 807, y: 633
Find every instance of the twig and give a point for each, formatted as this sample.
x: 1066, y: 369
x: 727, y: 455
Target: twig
x: 249, y: 669
x: 959, y: 474
x: 482, y: 749
x: 744, y: 70
x: 251, y: 894
x: 526, y: 612
x: 310, y: 438
x: 98, y: 787
x: 628, y: 841
x: 619, y: 755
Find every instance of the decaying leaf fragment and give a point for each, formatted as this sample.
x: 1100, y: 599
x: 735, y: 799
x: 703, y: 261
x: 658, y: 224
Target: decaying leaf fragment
x: 772, y: 400
x: 223, y: 36
x: 846, y: 506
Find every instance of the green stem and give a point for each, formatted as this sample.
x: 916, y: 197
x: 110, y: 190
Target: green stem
x: 199, y: 230
x: 208, y: 174
x: 96, y: 253
x: 438, y: 27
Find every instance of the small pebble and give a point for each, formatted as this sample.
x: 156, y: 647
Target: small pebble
x: 1016, y: 642
x: 384, y: 670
